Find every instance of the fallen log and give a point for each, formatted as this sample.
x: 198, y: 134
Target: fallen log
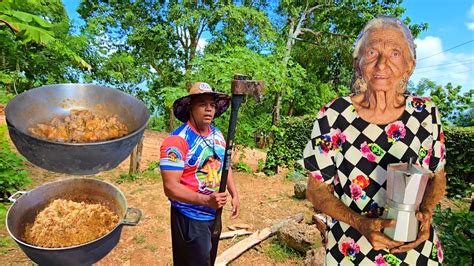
x: 255, y: 238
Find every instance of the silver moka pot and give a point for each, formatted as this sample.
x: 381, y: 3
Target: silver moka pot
x: 406, y: 185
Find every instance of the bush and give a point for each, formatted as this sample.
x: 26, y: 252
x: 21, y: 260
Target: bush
x: 459, y: 161
x: 455, y: 233
x: 5, y: 97
x: 243, y: 167
x: 289, y: 141
x: 13, y: 176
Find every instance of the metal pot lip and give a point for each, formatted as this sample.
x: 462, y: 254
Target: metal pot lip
x: 119, y: 224
x: 135, y: 132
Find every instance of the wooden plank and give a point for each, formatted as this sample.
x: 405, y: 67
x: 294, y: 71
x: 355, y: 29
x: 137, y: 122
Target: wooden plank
x: 231, y: 234
x: 257, y: 237
x: 239, y: 248
x: 238, y: 226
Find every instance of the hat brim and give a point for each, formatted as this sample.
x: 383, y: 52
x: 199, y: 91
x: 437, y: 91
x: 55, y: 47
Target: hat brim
x: 181, y: 105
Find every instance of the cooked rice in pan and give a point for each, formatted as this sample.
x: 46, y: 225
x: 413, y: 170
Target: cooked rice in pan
x: 65, y: 223
x: 81, y: 126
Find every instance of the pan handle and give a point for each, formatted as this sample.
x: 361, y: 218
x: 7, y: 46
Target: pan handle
x: 135, y: 212
x: 13, y: 198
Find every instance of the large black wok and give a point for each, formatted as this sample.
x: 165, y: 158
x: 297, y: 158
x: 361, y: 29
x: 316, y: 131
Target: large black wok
x: 41, y: 104
x: 25, y: 208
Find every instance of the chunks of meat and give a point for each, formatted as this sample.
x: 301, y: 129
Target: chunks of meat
x: 81, y: 126
x: 65, y: 223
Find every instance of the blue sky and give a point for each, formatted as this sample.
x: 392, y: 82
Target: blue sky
x: 451, y: 24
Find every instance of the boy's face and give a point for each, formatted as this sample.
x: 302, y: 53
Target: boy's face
x: 203, y: 109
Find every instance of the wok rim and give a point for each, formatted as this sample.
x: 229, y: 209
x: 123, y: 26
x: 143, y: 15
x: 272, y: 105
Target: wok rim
x: 136, y: 131
x: 120, y: 223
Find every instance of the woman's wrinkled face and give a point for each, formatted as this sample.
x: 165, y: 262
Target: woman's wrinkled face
x: 385, y: 59
x: 203, y: 109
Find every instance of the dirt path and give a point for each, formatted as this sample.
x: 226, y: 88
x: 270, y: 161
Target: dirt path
x: 263, y: 199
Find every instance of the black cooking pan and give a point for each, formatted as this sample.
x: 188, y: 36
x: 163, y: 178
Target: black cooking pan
x: 41, y: 104
x: 26, y: 207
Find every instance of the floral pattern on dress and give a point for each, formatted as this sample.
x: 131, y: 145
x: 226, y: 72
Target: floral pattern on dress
x: 426, y: 158
x: 437, y: 251
x: 387, y: 260
x: 371, y: 151
x: 349, y: 248
x: 337, y: 139
x: 357, y: 187
x: 324, y: 143
x: 419, y: 103
x: 316, y: 176
x: 332, y: 141
x: 395, y: 131
x: 422, y: 154
x: 380, y: 261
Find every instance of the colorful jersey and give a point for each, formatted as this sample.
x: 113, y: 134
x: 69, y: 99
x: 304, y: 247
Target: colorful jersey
x: 352, y: 154
x: 201, y: 160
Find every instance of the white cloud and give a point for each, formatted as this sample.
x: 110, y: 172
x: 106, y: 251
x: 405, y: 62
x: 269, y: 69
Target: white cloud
x: 470, y: 15
x: 443, y: 67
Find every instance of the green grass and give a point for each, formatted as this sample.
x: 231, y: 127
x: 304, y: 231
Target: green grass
x: 5, y: 243
x: 125, y: 177
x: 153, y: 165
x: 281, y: 253
x: 151, y: 174
x: 139, y: 238
x: 3, y: 214
x: 152, y: 248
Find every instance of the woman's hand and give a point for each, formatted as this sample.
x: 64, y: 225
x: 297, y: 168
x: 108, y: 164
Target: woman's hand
x: 424, y: 216
x: 371, y: 228
x: 235, y: 208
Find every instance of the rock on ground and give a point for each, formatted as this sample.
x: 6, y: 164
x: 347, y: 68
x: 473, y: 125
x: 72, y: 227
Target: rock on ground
x: 300, y: 237
x: 315, y: 257
x: 300, y: 189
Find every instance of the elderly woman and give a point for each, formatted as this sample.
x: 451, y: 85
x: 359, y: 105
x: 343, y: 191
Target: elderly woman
x: 354, y: 139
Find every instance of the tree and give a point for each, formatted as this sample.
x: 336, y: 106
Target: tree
x: 219, y: 68
x: 34, y: 35
x: 451, y: 103
x: 163, y: 36
x: 319, y: 35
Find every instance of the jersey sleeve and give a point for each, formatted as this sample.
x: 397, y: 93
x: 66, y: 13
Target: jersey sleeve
x: 173, y: 153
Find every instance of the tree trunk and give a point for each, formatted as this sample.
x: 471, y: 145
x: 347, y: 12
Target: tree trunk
x: 171, y: 120
x: 276, y: 108
x: 291, y: 109
x: 135, y: 158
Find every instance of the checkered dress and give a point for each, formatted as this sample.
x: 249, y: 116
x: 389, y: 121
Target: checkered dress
x: 352, y: 155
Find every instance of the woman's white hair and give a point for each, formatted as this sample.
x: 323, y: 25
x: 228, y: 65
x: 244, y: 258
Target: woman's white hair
x: 384, y: 22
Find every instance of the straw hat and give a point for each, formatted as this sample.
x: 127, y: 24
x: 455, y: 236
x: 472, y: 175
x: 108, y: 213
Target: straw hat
x: 182, y: 105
